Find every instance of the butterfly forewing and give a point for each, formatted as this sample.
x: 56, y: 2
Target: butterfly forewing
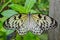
x: 15, y: 21
x: 44, y: 22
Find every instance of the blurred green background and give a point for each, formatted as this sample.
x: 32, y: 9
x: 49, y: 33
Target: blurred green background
x: 11, y: 7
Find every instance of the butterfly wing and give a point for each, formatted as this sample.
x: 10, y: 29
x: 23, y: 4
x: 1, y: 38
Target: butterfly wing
x: 14, y: 22
x: 40, y: 23
x: 34, y: 27
x: 23, y: 30
x: 44, y: 22
x: 23, y: 27
x: 36, y: 30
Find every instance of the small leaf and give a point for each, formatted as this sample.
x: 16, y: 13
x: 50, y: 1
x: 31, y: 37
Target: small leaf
x: 9, y: 32
x: 33, y: 11
x: 14, y: 1
x: 2, y: 28
x: 8, y: 13
x: 2, y: 35
x: 29, y: 4
x: 17, y: 7
x: 3, y: 19
x: 18, y: 37
x: 30, y: 36
x: 5, y: 5
x: 0, y: 24
x: 6, y: 31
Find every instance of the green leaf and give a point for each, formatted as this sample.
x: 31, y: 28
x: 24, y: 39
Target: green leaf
x: 8, y: 13
x: 29, y: 4
x: 6, y: 31
x: 18, y: 1
x: 39, y: 1
x: 17, y: 7
x: 3, y: 19
x: 0, y: 24
x: 18, y: 37
x: 2, y: 35
x: 14, y: 1
x: 9, y: 32
x: 30, y: 36
x: 5, y: 5
x: 33, y: 11
x: 2, y: 28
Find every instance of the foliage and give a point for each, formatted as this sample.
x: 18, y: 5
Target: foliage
x: 23, y: 9
x: 17, y: 7
x: 29, y: 4
x: 4, y: 5
x: 8, y: 13
x: 11, y: 7
x: 30, y: 36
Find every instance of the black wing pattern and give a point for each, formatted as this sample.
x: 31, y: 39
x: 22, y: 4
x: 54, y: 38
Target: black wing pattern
x: 36, y: 23
x: 16, y: 23
x: 45, y: 22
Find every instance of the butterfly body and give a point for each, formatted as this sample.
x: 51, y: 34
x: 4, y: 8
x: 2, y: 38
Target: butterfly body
x: 36, y: 23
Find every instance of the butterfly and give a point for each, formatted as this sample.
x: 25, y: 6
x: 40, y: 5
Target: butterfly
x: 36, y: 23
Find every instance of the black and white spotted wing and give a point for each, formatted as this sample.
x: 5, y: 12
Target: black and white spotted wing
x: 44, y: 22
x: 15, y: 21
x: 36, y: 23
